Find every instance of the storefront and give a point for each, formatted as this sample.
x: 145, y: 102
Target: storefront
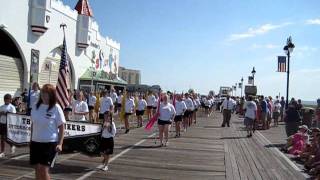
x: 31, y: 43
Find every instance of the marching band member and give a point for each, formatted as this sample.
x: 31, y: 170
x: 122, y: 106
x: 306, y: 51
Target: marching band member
x: 47, y: 131
x: 79, y: 107
x: 189, y: 111
x: 197, y: 104
x: 4, y: 109
x: 142, y: 104
x: 129, y: 108
x: 180, y: 109
x: 106, y: 106
x: 107, y: 140
x: 114, y: 97
x: 119, y: 101
x: 151, y: 100
x: 92, y: 100
x: 167, y: 114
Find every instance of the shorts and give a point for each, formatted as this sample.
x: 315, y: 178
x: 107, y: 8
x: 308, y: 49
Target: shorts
x: 91, y: 107
x: 162, y: 122
x: 276, y: 115
x: 42, y: 153
x: 149, y: 107
x: 139, y: 113
x: 101, y: 116
x: 248, y: 121
x: 68, y: 109
x: 206, y: 107
x: 154, y: 107
x: 187, y: 113
x: 128, y: 114
x: 195, y: 110
x: 107, y: 145
x: 3, y: 129
x: 178, y: 118
x: 118, y: 105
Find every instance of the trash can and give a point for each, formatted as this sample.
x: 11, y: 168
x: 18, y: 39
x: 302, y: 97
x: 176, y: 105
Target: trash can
x: 307, y: 115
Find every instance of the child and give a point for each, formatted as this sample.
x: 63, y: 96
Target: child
x: 4, y: 109
x: 107, y: 143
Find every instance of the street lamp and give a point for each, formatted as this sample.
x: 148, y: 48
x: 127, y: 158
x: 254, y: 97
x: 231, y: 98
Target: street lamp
x: 241, y: 85
x: 253, y: 72
x: 288, y: 48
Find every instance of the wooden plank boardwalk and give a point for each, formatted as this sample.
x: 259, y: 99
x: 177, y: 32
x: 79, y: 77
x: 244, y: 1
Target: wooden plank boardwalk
x: 205, y: 151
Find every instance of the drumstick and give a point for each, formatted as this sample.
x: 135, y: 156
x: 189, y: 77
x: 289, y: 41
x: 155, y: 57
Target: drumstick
x: 54, y: 159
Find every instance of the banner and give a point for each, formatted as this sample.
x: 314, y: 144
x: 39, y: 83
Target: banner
x: 282, y: 66
x: 19, y: 129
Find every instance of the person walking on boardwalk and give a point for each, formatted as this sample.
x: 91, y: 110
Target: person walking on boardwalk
x: 250, y: 115
x: 166, y: 115
x: 264, y: 112
x: 283, y: 104
x: 151, y: 99
x: 107, y: 140
x: 227, y: 107
x: 47, y: 131
x: 276, y: 112
x: 129, y: 109
x: 142, y: 104
x: 189, y: 111
x: 180, y: 109
x: 7, y: 107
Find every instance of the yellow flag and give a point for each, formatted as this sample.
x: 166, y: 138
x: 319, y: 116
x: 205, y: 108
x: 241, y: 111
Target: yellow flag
x: 123, y: 104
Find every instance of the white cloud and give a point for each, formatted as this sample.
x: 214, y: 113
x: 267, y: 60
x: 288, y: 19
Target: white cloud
x: 313, y: 21
x: 265, y: 46
x: 252, y: 32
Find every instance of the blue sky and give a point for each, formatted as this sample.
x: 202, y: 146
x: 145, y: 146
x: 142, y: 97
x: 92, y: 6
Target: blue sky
x: 205, y: 44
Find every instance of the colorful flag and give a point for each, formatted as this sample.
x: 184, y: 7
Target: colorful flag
x: 62, y: 84
x: 155, y: 117
x: 282, y: 64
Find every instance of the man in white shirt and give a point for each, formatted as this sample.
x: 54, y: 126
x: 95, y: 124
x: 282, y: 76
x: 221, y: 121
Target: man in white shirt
x: 250, y: 115
x: 227, y: 107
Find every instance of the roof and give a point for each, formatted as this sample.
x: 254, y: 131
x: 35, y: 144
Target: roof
x: 102, y: 77
x: 83, y: 8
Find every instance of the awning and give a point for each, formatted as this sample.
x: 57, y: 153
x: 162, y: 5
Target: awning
x: 101, y: 76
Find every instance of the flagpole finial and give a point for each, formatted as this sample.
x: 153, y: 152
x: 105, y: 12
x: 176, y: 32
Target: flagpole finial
x: 63, y: 26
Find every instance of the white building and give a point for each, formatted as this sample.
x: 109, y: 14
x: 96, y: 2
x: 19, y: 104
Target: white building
x: 31, y: 39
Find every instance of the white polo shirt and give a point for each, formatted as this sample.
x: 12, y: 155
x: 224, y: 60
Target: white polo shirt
x: 142, y: 104
x: 228, y: 104
x: 129, y: 107
x: 114, y: 96
x: 167, y: 112
x: 151, y: 100
x: 105, y: 104
x: 79, y: 107
x: 6, y: 108
x: 45, y: 123
x: 119, y: 99
x: 180, y: 107
x: 92, y: 100
x: 34, y: 97
x: 106, y: 133
x: 189, y: 104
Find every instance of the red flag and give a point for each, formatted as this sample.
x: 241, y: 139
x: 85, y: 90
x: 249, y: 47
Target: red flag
x: 155, y: 117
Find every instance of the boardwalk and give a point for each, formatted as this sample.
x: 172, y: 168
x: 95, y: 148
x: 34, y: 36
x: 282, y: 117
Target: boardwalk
x: 205, y: 151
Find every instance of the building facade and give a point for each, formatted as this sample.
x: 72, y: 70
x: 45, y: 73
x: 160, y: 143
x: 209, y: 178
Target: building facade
x: 31, y: 40
x: 129, y: 75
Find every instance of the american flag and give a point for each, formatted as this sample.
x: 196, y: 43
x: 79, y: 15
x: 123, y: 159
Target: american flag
x: 282, y: 66
x: 62, y: 84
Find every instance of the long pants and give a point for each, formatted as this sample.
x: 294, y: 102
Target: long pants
x: 226, y: 117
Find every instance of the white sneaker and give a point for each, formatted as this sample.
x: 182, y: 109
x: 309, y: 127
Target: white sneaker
x: 105, y: 168
x: 13, y: 149
x: 2, y: 155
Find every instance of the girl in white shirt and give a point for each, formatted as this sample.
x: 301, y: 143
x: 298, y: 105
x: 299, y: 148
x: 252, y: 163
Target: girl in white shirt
x: 4, y: 109
x: 106, y: 106
x: 180, y: 109
x: 47, y: 131
x: 129, y: 109
x: 142, y: 104
x: 150, y: 101
x: 80, y: 108
x: 107, y: 141
x: 166, y: 115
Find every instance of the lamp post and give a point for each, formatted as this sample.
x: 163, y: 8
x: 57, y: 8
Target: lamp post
x: 288, y: 48
x: 235, y: 89
x: 241, y: 85
x: 253, y: 72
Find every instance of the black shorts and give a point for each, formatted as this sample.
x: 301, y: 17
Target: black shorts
x: 161, y: 122
x: 178, y: 118
x: 206, y: 107
x: 154, y: 107
x: 128, y: 114
x: 91, y: 107
x: 195, y: 110
x: 149, y: 107
x: 118, y: 105
x: 188, y: 113
x: 101, y: 116
x: 3, y: 129
x: 107, y: 145
x: 68, y: 109
x: 139, y: 113
x: 42, y: 153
